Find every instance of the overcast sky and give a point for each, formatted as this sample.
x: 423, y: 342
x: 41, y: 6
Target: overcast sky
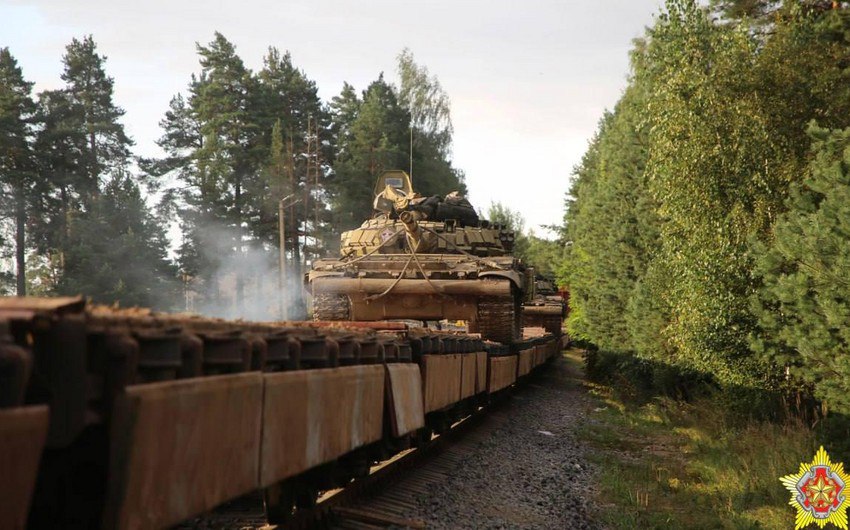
x: 528, y: 79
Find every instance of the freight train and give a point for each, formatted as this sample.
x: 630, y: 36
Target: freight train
x: 130, y: 419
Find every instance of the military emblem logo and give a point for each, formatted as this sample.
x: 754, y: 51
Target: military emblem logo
x: 818, y: 492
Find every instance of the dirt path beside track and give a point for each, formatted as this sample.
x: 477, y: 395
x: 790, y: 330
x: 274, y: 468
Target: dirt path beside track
x: 523, y: 467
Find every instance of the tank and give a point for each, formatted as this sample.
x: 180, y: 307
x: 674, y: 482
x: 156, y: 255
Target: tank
x: 544, y: 307
x: 423, y: 258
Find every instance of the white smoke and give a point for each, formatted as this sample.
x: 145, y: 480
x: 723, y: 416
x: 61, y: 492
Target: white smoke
x: 257, y: 267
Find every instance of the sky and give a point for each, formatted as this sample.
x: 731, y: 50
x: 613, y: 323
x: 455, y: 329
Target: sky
x: 528, y: 80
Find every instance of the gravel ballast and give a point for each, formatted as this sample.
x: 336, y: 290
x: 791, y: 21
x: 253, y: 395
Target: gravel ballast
x: 529, y: 471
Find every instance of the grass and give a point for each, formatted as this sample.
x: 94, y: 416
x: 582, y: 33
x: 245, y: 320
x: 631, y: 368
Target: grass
x: 665, y: 463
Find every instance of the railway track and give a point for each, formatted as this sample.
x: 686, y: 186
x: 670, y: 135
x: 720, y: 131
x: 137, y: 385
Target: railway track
x: 133, y: 419
x: 388, y: 500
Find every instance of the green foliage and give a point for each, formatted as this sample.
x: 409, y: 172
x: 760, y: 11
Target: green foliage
x: 804, y: 304
x: 117, y: 251
x: 514, y: 221
x: 429, y: 106
x: 611, y: 224
x: 376, y: 131
x: 236, y: 142
x: 712, y: 198
x: 91, y: 231
x: 545, y: 255
x: 679, y: 214
x: 93, y: 116
x: 17, y: 161
x: 376, y: 140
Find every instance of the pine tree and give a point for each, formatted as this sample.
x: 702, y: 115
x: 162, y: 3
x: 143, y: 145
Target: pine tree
x: 804, y: 304
x: 286, y: 97
x: 60, y: 144
x: 181, y: 140
x: 17, y: 164
x: 377, y: 141
x: 343, y: 109
x: 117, y: 251
x: 89, y: 94
x: 219, y: 197
x: 80, y: 142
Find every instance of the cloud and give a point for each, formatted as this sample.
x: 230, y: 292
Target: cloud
x: 528, y: 80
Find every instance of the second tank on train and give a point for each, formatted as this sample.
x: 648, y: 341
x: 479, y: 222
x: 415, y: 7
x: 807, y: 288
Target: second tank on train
x: 424, y: 258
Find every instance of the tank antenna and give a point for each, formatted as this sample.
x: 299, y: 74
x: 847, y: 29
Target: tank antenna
x: 411, y: 153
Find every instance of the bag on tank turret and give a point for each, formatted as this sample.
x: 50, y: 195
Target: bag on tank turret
x: 453, y: 208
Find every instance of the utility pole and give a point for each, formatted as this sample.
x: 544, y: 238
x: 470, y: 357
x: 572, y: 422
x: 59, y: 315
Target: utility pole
x: 281, y: 220
x: 318, y: 147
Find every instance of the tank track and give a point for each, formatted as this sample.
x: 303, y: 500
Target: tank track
x: 498, y: 318
x: 331, y: 307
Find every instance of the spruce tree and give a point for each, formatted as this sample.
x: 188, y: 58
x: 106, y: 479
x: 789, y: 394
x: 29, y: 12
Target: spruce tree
x: 611, y: 225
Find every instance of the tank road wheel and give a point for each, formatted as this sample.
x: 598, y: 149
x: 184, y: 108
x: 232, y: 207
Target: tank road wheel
x: 499, y: 318
x: 327, y: 306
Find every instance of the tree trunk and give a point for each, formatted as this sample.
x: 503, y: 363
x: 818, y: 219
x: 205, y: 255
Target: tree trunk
x: 63, y: 231
x: 20, y: 241
x: 240, y: 278
x: 95, y: 170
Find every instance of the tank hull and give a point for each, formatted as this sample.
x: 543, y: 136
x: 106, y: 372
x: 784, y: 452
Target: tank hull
x: 454, y: 287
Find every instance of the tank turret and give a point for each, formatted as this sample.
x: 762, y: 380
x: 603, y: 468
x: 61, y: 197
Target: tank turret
x: 423, y: 258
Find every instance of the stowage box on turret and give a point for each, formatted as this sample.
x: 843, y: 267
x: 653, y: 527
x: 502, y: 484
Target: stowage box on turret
x: 423, y: 258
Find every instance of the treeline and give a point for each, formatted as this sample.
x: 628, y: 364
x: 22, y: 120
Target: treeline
x: 82, y: 214
x: 709, y: 220
x: 546, y: 255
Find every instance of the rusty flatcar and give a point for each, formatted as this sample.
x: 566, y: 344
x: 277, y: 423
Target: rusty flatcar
x: 128, y: 419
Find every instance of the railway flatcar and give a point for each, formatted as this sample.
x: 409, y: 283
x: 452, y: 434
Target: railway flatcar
x: 129, y: 419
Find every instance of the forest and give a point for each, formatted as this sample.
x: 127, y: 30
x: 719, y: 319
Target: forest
x: 708, y: 224
x: 82, y: 214
x: 706, y: 227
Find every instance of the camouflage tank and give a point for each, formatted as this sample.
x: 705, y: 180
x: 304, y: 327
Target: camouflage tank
x: 423, y: 258
x: 545, y: 307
